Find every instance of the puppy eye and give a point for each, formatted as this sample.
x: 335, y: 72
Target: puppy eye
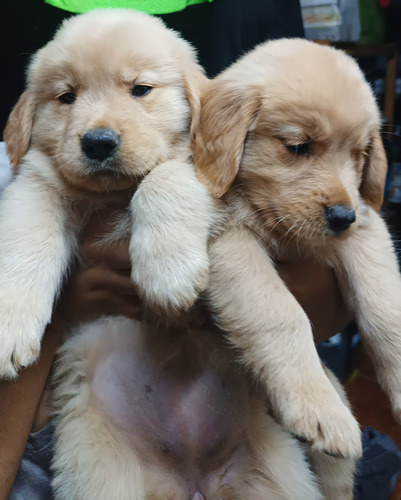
x: 140, y: 90
x: 67, y: 98
x: 302, y: 149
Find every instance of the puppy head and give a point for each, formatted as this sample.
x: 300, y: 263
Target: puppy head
x: 112, y: 95
x: 295, y: 125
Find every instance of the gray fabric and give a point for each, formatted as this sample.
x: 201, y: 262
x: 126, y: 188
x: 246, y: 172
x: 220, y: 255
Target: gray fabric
x: 34, y: 475
x: 379, y: 468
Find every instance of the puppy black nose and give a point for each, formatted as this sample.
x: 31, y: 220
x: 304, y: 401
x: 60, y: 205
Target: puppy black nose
x: 340, y: 217
x: 100, y: 143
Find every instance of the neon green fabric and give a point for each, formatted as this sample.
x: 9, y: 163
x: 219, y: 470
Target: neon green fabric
x: 149, y: 6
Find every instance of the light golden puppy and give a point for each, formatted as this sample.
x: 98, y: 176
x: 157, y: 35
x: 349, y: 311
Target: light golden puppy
x: 140, y: 413
x: 94, y: 120
x: 289, y: 138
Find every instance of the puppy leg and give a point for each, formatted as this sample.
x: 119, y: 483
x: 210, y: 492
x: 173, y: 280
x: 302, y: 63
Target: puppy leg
x: 282, y: 470
x: 272, y: 332
x: 91, y: 462
x: 374, y: 289
x: 35, y: 251
x: 336, y: 474
x: 172, y: 214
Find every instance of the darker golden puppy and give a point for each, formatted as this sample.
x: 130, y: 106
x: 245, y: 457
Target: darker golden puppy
x: 289, y: 139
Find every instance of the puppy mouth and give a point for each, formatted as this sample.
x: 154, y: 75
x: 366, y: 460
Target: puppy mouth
x: 110, y: 168
x: 111, y: 172
x: 108, y: 172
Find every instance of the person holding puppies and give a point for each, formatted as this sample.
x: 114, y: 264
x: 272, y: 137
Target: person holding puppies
x: 105, y: 286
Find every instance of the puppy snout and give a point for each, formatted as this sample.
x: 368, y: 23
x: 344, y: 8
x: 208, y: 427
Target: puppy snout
x: 100, y: 143
x: 340, y: 217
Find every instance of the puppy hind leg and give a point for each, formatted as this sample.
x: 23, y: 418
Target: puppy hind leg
x: 90, y: 462
x: 336, y: 475
x: 282, y: 470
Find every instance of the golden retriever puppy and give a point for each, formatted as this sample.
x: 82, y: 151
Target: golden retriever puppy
x: 141, y: 412
x: 96, y: 117
x: 289, y: 138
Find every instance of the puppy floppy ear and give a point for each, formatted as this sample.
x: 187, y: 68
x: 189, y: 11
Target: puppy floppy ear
x: 17, y: 133
x: 374, y: 173
x: 226, y: 115
x: 195, y: 80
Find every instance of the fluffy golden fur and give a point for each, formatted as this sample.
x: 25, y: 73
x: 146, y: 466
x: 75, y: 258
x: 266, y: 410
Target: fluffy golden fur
x: 84, y: 99
x: 140, y: 413
x: 289, y: 138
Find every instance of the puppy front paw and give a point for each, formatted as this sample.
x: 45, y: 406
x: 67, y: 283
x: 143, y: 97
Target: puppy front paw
x: 324, y: 422
x: 23, y: 322
x: 171, y: 281
x: 16, y: 352
x: 172, y: 215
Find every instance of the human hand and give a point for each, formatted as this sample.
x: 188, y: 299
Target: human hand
x: 100, y: 282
